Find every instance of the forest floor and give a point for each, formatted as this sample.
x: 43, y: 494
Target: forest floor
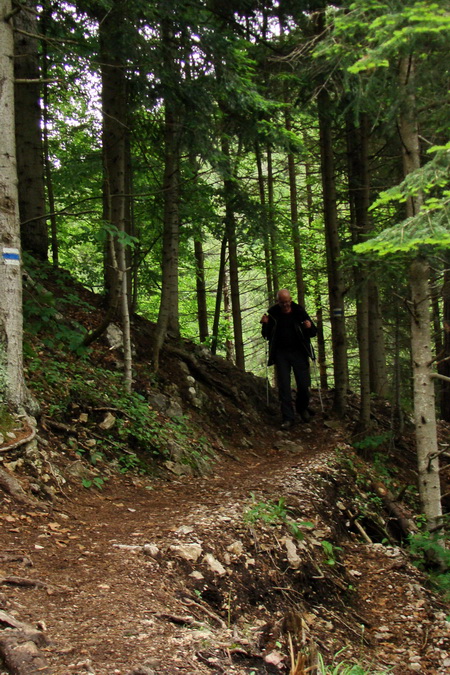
x: 273, y: 561
x: 169, y: 576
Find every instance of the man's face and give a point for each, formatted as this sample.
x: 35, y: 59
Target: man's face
x: 284, y: 300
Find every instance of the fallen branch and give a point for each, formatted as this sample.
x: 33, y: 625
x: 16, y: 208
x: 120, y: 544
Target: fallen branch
x: 21, y: 581
x: 206, y: 610
x: 180, y: 620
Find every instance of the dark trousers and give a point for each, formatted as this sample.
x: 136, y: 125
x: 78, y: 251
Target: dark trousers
x: 286, y: 361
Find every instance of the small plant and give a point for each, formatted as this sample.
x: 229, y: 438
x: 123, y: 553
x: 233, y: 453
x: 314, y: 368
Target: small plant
x: 345, y: 668
x: 330, y: 552
x: 273, y: 513
x: 96, y: 482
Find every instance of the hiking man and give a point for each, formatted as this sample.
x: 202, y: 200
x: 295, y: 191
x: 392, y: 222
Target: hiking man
x: 288, y: 328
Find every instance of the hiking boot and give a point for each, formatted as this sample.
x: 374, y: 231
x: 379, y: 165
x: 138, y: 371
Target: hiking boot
x: 287, y: 424
x: 304, y: 414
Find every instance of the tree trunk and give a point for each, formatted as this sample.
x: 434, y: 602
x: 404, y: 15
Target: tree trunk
x: 336, y: 287
x: 168, y: 309
x: 230, y: 229
x: 271, y: 222
x: 293, y: 198
x: 444, y: 366
x: 379, y: 382
x: 358, y: 179
x: 262, y: 197
x: 30, y: 158
x: 229, y: 347
x: 114, y: 108
x: 220, y: 282
x: 424, y: 403
x: 423, y: 386
x: 321, y: 355
x: 12, y: 386
x: 202, y: 310
x: 46, y: 124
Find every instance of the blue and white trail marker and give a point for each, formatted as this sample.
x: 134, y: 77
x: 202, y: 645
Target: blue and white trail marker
x: 11, y: 256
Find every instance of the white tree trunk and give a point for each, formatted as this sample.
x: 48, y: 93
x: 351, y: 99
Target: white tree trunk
x: 424, y: 398
x: 12, y: 388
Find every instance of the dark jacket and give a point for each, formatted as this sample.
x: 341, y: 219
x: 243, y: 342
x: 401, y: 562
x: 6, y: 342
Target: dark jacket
x: 269, y: 331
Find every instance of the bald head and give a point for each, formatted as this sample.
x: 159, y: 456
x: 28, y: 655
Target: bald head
x: 284, y: 300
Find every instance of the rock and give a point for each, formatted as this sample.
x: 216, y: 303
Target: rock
x: 179, y: 469
x: 190, y: 380
x: 236, y: 547
x: 185, y: 529
x: 292, y: 555
x: 214, y: 565
x: 108, y: 421
x: 189, y: 552
x: 174, y: 410
x: 197, y: 575
x: 158, y: 401
x: 114, y: 336
x: 151, y: 550
x: 80, y: 470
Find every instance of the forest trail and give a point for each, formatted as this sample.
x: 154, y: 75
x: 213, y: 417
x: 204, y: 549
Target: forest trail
x: 165, y: 577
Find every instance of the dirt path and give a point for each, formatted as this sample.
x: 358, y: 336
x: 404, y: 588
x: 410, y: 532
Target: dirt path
x: 168, y: 577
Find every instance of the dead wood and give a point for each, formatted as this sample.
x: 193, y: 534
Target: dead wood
x: 206, y: 610
x: 395, y: 510
x: 11, y: 486
x: 59, y: 426
x: 19, y: 647
x: 21, y: 581
x: 180, y: 620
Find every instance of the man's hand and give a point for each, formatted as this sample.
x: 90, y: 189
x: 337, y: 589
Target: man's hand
x: 307, y: 323
x: 265, y: 318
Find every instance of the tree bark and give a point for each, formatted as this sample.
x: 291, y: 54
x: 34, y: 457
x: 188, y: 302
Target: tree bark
x: 423, y: 385
x: 202, y: 310
x: 220, y: 282
x: 168, y: 320
x: 262, y: 197
x: 358, y: 179
x: 230, y: 229
x: 336, y: 287
x: 444, y: 366
x: 12, y: 385
x: 29, y: 148
x: 114, y: 108
x: 379, y: 381
x: 295, y: 229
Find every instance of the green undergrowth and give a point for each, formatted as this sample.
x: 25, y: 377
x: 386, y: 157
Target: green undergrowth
x: 75, y: 391
x: 427, y: 551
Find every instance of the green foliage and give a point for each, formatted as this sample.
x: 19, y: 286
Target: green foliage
x: 7, y: 421
x: 330, y: 551
x: 96, y: 482
x: 431, y: 225
x: 372, y: 442
x: 431, y: 555
x: 339, y: 667
x: 274, y: 513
